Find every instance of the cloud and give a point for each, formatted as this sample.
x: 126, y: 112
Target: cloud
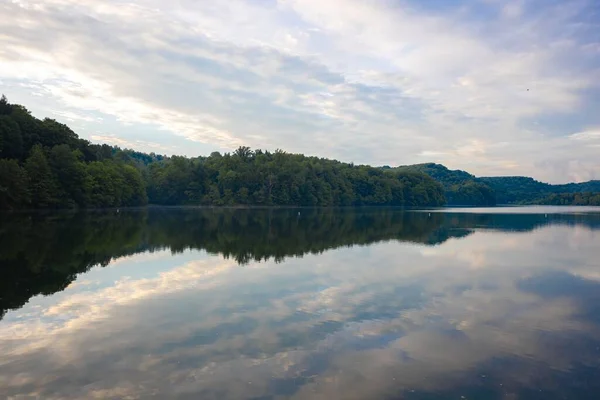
x: 587, y: 136
x: 364, y: 81
x: 139, y: 145
x: 513, y: 9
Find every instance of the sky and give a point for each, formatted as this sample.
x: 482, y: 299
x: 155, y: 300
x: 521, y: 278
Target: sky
x: 489, y: 86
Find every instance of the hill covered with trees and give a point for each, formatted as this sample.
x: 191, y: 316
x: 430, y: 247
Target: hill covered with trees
x: 463, y: 189
x: 279, y: 178
x: 525, y: 190
x: 577, y: 199
x: 44, y: 164
x: 460, y: 187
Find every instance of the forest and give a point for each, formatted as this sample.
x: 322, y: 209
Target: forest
x: 464, y: 189
x: 45, y: 165
x: 460, y: 187
x: 525, y: 190
x: 576, y: 199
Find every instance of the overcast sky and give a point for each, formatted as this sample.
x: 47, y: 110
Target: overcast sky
x: 493, y: 87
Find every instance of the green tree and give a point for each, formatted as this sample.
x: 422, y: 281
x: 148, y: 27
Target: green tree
x: 244, y: 153
x: 13, y: 185
x: 42, y: 184
x: 29, y: 126
x: 54, y: 133
x: 136, y: 189
x: 105, y: 184
x: 71, y: 174
x: 5, y: 106
x: 10, y: 138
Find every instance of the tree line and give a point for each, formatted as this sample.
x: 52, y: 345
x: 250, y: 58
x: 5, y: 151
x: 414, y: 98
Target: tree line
x: 526, y: 190
x: 464, y: 189
x: 460, y: 187
x: 576, y: 199
x: 44, y: 164
x: 247, y: 177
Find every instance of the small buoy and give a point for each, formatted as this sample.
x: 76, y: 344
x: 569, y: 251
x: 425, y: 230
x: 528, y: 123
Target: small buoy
x: 298, y: 212
x: 430, y: 214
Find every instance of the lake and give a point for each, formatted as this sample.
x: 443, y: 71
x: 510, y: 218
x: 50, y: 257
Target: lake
x: 192, y: 303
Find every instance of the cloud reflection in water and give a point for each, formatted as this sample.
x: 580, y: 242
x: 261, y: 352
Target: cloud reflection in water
x: 496, y: 314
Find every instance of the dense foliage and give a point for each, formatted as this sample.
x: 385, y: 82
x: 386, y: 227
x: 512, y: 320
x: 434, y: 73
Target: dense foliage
x: 44, y: 164
x: 524, y: 190
x: 264, y: 178
x: 576, y: 199
x: 460, y: 187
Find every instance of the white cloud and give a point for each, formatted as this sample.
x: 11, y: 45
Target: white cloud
x: 590, y: 135
x: 140, y: 145
x: 513, y: 9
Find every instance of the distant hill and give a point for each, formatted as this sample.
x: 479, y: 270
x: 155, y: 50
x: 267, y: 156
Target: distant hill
x: 525, y: 190
x: 463, y: 188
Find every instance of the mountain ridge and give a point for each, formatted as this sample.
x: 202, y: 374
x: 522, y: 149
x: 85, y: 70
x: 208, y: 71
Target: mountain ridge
x: 464, y: 188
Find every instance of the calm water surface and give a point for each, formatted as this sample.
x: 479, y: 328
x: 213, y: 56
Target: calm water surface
x: 325, y: 304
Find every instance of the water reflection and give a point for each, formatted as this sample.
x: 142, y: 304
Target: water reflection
x: 440, y: 306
